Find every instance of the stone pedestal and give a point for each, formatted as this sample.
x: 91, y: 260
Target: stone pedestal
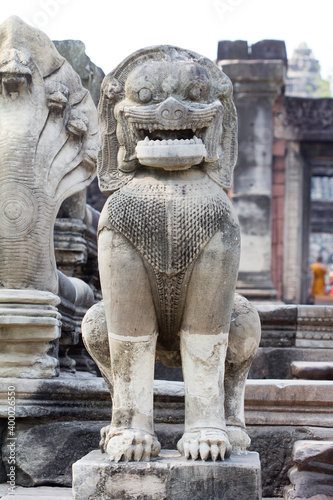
x: 29, y: 333
x: 167, y: 477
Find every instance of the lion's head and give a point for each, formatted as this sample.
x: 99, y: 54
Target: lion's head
x: 169, y: 108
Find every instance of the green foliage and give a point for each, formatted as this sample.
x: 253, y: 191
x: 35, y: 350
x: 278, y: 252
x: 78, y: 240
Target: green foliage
x: 322, y: 88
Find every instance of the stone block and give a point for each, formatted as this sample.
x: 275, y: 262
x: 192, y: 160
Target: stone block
x: 274, y: 445
x: 279, y: 148
x: 279, y: 164
x: 312, y: 475
x: 314, y: 326
x: 29, y: 333
x: 278, y: 323
x: 45, y: 451
x: 167, y: 477
x: 267, y: 402
x: 279, y: 178
x: 312, y: 370
x: 269, y: 49
x: 228, y: 49
x: 274, y: 361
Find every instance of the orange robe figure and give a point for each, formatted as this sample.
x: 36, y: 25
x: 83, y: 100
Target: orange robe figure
x: 318, y: 281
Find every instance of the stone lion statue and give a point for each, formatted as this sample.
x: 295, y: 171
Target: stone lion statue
x: 169, y: 248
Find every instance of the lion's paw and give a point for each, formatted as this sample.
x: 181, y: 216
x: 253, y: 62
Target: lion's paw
x: 205, y: 444
x: 131, y: 444
x: 239, y: 439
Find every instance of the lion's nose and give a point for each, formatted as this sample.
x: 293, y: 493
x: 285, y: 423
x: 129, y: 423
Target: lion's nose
x: 172, y: 111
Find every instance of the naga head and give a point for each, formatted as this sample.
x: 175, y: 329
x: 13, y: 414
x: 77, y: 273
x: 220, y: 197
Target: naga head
x: 15, y: 74
x: 166, y: 108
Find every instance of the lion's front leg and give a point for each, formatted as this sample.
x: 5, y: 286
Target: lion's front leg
x: 203, y: 367
x: 204, y: 342
x: 132, y: 332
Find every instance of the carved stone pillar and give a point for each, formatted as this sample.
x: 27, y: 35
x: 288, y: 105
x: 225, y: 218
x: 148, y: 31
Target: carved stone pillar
x: 257, y: 78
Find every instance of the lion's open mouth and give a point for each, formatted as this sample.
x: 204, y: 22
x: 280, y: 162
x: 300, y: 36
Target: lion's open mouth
x: 172, y: 135
x: 171, y: 149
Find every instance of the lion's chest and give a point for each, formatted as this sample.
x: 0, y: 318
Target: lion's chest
x: 168, y: 223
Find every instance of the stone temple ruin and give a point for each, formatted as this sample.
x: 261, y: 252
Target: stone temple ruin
x: 165, y: 152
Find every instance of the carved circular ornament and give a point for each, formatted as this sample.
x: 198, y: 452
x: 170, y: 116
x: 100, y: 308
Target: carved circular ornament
x: 18, y: 210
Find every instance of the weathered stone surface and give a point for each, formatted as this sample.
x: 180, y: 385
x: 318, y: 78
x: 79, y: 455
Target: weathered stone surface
x: 278, y: 325
x: 301, y: 119
x: 80, y: 396
x: 314, y: 326
x: 48, y: 152
x: 312, y: 370
x: 166, y: 158
x: 269, y: 49
x: 274, y: 445
x: 311, y: 402
x: 85, y: 399
x: 312, y: 474
x: 90, y: 74
x: 275, y: 363
x: 228, y: 49
x: 170, y: 477
x: 267, y: 402
x: 257, y: 83
x: 46, y: 450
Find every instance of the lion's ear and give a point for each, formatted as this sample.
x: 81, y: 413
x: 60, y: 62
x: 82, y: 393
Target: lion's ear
x: 109, y: 177
x: 221, y: 171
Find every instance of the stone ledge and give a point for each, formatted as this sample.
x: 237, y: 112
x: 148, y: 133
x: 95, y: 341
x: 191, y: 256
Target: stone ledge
x: 267, y: 402
x: 167, y: 477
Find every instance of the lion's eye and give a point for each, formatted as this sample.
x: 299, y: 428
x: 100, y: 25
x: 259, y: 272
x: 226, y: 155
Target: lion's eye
x: 25, y: 63
x: 145, y: 95
x: 195, y: 93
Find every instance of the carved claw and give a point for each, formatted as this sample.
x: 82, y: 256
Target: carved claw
x: 103, y: 433
x: 239, y: 440
x: 131, y: 444
x: 205, y: 444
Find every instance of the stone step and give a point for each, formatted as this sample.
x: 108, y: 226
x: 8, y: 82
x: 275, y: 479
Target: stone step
x: 312, y: 370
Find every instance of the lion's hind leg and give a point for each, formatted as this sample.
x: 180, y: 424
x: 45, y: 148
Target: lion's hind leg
x: 95, y: 338
x: 244, y: 338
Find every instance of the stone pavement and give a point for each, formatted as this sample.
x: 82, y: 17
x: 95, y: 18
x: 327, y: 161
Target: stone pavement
x: 46, y: 493
x: 40, y: 493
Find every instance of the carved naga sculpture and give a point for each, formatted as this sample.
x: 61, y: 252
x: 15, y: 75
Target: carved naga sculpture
x: 48, y: 151
x: 169, y: 253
